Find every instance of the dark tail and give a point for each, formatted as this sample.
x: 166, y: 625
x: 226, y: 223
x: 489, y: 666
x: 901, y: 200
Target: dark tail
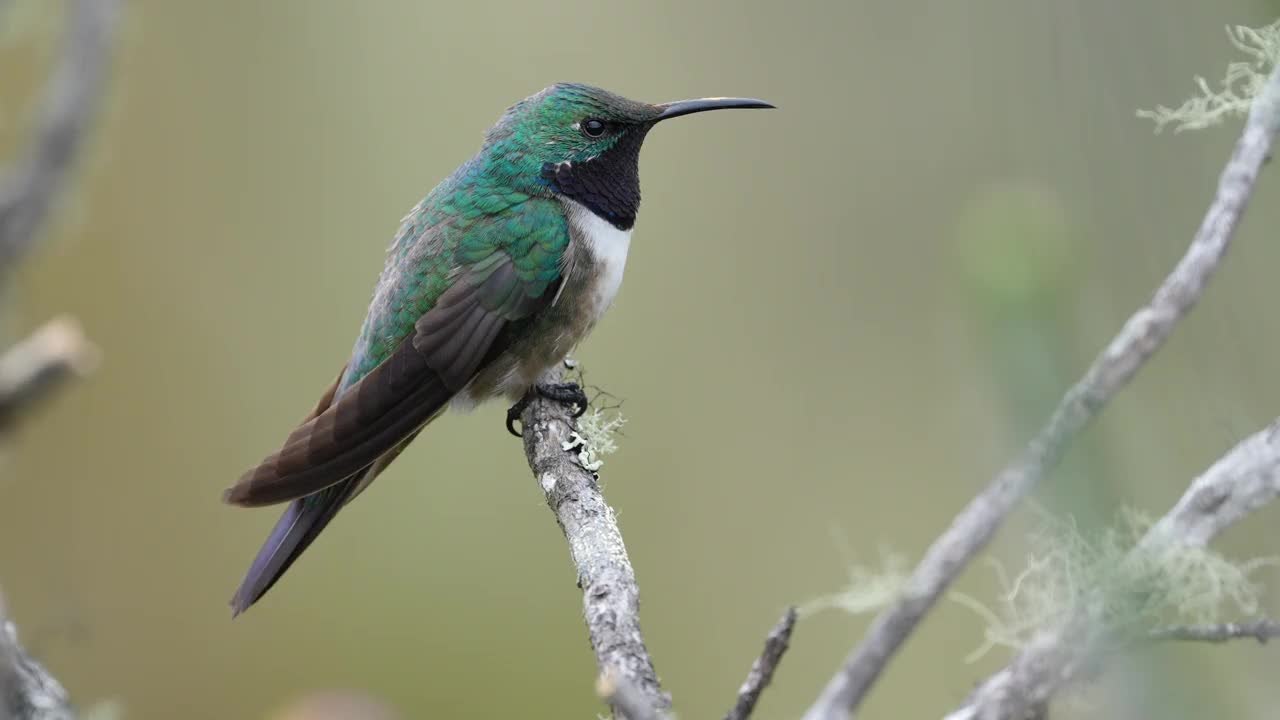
x: 300, y: 524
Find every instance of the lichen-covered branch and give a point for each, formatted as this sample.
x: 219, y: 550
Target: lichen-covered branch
x: 1143, y: 334
x: 610, y: 594
x: 1243, y: 480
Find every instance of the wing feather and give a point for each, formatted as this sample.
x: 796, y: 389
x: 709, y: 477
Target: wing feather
x: 369, y: 415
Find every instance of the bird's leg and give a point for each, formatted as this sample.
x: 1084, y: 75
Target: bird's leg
x: 567, y: 393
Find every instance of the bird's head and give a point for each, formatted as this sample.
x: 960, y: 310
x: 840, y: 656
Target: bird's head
x: 583, y: 143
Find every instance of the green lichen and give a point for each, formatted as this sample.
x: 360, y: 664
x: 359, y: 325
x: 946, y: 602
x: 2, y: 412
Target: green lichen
x: 869, y: 588
x: 594, y: 437
x: 1127, y: 587
x: 1241, y: 84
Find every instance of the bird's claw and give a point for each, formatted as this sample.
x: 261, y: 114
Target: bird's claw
x: 569, y: 393
x: 513, y: 414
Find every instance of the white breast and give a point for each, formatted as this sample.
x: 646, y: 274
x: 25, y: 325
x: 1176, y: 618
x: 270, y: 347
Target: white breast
x: 608, y: 246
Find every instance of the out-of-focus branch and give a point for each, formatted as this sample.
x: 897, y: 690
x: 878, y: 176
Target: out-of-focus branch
x: 1262, y: 630
x: 33, y: 368
x: 27, y: 690
x: 1143, y: 334
x: 610, y: 594
x: 29, y: 370
x: 762, y: 669
x: 1243, y: 480
x: 29, y: 189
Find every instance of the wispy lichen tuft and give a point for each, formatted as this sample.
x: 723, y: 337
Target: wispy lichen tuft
x: 1129, y: 588
x: 105, y: 710
x: 1241, y: 84
x: 868, y: 590
x: 594, y: 437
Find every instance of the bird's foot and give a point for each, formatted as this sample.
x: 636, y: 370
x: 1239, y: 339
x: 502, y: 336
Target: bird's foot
x: 570, y: 394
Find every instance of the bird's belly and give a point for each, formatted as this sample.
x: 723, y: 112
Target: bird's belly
x: 592, y: 281
x: 515, y: 370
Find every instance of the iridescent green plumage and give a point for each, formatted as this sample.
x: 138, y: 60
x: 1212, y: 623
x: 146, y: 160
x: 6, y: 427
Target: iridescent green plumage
x: 471, y: 229
x: 490, y: 280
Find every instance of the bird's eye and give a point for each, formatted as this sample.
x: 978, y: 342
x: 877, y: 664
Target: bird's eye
x: 593, y: 128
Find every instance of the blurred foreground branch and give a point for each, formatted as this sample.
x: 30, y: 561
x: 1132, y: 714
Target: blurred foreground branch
x: 67, y: 107
x: 1243, y: 480
x: 1262, y: 630
x: 1143, y: 334
x: 27, y: 690
x: 57, y: 351
x: 30, y: 370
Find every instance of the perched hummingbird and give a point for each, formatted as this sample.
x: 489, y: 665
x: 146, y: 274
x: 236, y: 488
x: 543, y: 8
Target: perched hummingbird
x: 491, y: 280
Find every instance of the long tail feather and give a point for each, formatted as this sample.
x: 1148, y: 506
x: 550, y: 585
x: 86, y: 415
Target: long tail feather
x: 297, y: 527
x: 301, y: 523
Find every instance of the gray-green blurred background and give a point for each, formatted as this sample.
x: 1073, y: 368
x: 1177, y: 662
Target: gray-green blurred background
x: 839, y: 319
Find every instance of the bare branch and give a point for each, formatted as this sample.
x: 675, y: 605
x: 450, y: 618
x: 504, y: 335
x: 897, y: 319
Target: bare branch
x: 1243, y: 480
x: 27, y: 690
x: 1143, y: 334
x: 30, y: 370
x: 70, y: 98
x: 762, y: 669
x: 1262, y: 630
x: 610, y: 594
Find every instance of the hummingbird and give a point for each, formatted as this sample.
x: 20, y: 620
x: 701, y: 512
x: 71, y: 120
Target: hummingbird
x: 491, y: 280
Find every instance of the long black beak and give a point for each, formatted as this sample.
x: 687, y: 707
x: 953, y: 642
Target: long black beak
x: 688, y: 107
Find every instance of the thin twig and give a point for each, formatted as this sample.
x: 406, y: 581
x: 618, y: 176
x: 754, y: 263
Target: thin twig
x: 30, y: 370
x: 72, y: 95
x: 610, y: 594
x: 1262, y: 630
x: 1241, y: 481
x: 1143, y: 334
x: 761, y: 674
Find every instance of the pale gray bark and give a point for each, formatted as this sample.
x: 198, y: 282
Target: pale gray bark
x: 1243, y: 480
x: 1143, y: 334
x: 610, y: 594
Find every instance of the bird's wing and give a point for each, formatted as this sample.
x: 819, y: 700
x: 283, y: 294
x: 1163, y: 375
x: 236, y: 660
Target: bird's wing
x: 502, y: 269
